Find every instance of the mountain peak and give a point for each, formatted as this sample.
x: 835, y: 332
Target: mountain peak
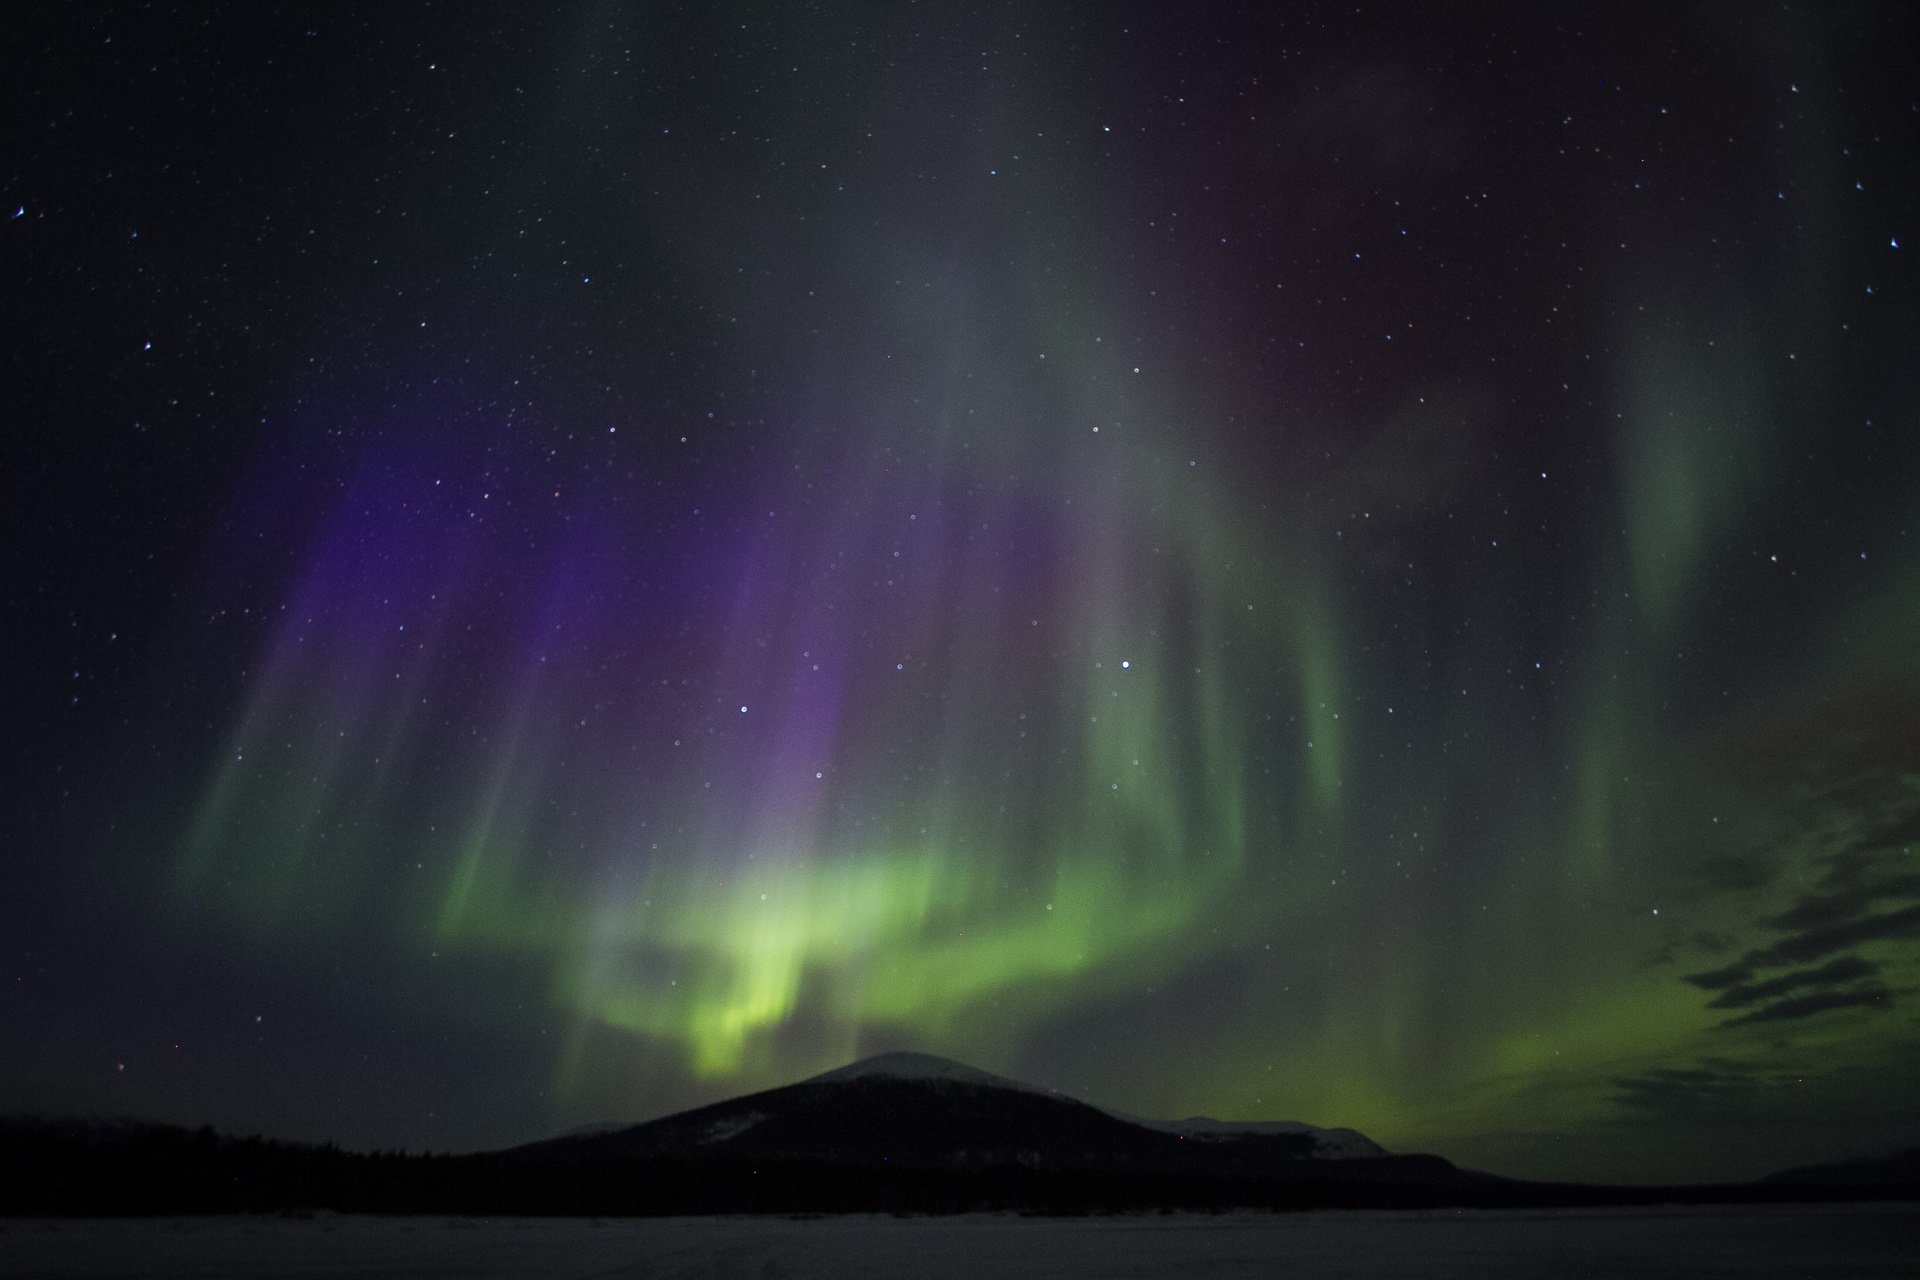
x: 905, y: 1065
x: 1324, y: 1144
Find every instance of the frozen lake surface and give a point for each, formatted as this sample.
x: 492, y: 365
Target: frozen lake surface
x: 1846, y: 1242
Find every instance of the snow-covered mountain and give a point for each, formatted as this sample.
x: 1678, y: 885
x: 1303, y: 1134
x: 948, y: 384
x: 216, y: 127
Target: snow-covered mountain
x: 904, y: 1109
x: 921, y: 1109
x: 921, y: 1066
x: 1328, y: 1144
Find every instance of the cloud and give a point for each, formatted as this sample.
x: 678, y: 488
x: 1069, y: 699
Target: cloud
x: 1812, y: 944
x: 1898, y: 828
x: 1738, y: 988
x: 1831, y: 974
x: 1716, y: 1085
x: 1837, y: 795
x: 1868, y: 790
x: 1809, y: 1005
x: 1728, y: 872
x: 1873, y: 866
x: 1715, y: 979
x: 1826, y: 908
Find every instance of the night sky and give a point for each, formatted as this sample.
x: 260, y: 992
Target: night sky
x: 1296, y: 561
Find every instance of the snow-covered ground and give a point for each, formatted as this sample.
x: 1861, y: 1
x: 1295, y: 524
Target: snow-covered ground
x: 1844, y: 1242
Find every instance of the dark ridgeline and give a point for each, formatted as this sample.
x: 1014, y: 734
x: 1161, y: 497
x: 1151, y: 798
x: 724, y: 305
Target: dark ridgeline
x: 1901, y: 1169
x: 847, y: 1142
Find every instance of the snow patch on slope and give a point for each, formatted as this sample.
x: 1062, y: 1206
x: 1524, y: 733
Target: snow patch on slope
x: 1328, y: 1144
x: 728, y: 1127
x: 598, y: 1128
x: 921, y: 1066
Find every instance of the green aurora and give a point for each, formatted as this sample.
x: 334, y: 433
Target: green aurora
x: 1193, y: 603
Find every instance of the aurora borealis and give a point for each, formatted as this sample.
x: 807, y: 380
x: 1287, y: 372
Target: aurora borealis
x: 1278, y: 562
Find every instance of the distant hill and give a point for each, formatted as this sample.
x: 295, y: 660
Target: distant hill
x: 1899, y: 1171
